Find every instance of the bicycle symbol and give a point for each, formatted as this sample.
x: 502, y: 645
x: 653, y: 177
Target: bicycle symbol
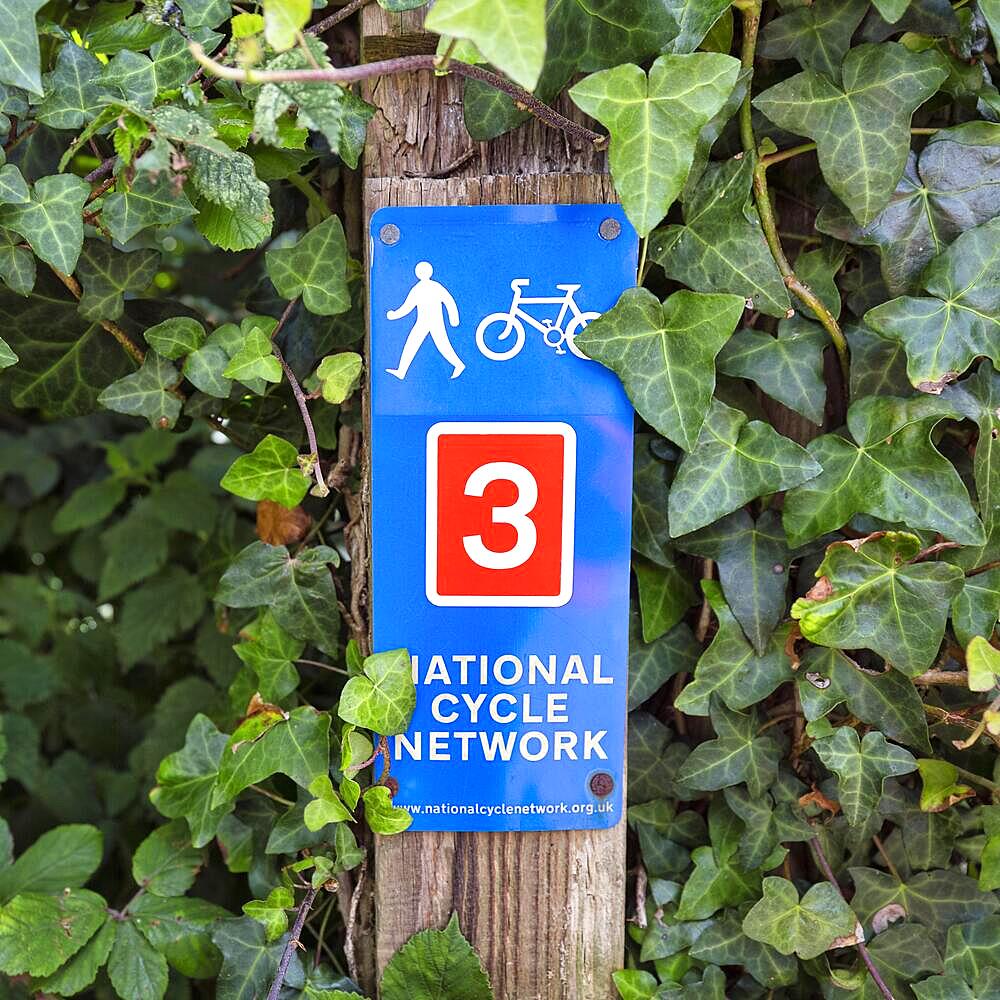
x: 498, y: 327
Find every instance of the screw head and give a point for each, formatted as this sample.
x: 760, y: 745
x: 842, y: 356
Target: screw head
x: 610, y: 229
x: 602, y: 784
x: 389, y: 234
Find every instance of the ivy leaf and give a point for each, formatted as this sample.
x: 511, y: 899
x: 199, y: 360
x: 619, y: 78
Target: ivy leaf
x: 789, y: 367
x: 936, y: 899
x: 254, y: 359
x: 270, y: 651
x: 870, y: 594
x: 953, y: 186
x: 753, y: 559
x: 185, y: 781
x: 953, y: 987
x: 694, y: 21
x: 175, y: 337
x: 81, y: 970
x: 107, y: 274
x: 827, y: 678
x: 63, y: 856
x: 298, y: 746
x: 893, y: 472
x: 971, y: 947
x: 713, y: 884
x: 976, y: 609
x: 326, y: 806
x: 807, y: 926
x: 433, y: 965
x: 204, y: 367
x: 862, y: 127
x: 7, y: 356
x: 737, y: 755
x: 39, y: 933
x: 73, y: 89
x: 249, y: 962
x: 19, y: 55
x: 272, y: 913
x: 945, y: 333
x: 52, y: 222
x: 17, y: 264
x: 269, y: 472
x: 721, y: 246
x: 767, y: 825
x: 383, y: 697
x: 165, y: 863
x: 724, y: 943
x: 978, y: 398
x: 338, y: 375
x: 315, y: 268
x: 151, y: 200
x: 892, y: 10
x: 150, y: 392
x: 665, y: 354
x: 382, y: 816
x: 818, y: 36
x: 655, y: 123
x: 665, y: 593
x: 651, y: 665
x: 511, y: 35
x: 983, y: 661
x: 939, y: 787
x: 729, y: 668
x: 136, y: 969
x: 298, y: 590
x: 733, y: 461
x: 283, y: 20
x: 861, y: 767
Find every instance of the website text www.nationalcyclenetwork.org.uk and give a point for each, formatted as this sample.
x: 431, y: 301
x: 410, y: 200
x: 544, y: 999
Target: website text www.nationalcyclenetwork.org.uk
x: 511, y: 809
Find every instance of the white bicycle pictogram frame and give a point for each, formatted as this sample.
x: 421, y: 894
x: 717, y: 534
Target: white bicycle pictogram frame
x: 555, y: 334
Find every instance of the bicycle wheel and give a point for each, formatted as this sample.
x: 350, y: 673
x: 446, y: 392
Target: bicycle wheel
x: 497, y: 328
x: 575, y: 325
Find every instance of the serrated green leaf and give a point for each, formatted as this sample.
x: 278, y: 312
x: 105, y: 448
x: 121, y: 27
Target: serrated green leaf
x: 733, y: 461
x: 19, y: 55
x: 510, y: 35
x: 665, y: 354
x: 298, y: 747
x: 136, y: 969
x: 269, y: 472
x: 185, y: 781
x: 65, y: 856
x: 151, y: 200
x: 434, y: 965
x: 872, y: 595
x: 861, y: 767
x: 654, y: 124
x: 165, y: 863
x: 180, y: 929
x: 737, y: 755
x: 892, y: 472
x: 52, y: 221
x: 149, y: 392
x: 383, y: 698
x: 817, y: 35
x: 39, y: 933
x: 315, y: 268
x: 721, y: 246
x: 861, y: 127
x: 944, y: 333
x: 807, y: 926
x: 298, y: 590
x: 106, y: 275
x: 827, y: 678
x: 81, y: 970
x: 789, y: 367
x: 157, y: 612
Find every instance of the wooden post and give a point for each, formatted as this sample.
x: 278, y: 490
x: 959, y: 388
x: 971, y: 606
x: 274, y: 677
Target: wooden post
x: 545, y: 911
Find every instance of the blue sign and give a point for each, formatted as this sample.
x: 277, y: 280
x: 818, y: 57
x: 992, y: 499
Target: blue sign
x: 501, y: 510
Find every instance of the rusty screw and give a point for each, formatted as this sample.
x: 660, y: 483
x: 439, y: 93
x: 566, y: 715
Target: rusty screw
x: 610, y: 229
x: 389, y: 234
x: 602, y: 784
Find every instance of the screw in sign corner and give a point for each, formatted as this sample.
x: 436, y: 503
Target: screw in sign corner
x: 501, y: 510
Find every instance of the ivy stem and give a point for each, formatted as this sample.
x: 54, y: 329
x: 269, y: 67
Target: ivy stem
x: 977, y: 779
x: 404, y: 64
x: 893, y: 870
x: 824, y: 866
x: 641, y: 273
x: 341, y: 15
x: 959, y: 678
x: 787, y: 154
x: 273, y: 796
x: 324, y: 666
x: 293, y: 943
x: 751, y: 25
x: 136, y: 353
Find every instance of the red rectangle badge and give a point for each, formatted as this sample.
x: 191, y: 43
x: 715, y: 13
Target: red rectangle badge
x: 501, y: 503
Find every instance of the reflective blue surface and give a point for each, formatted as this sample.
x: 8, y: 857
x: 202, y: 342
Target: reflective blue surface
x: 576, y: 706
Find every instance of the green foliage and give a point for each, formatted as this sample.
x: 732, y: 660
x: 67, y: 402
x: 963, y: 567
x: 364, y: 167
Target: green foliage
x: 191, y: 732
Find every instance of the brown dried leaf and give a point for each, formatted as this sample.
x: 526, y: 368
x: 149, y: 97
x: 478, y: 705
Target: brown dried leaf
x: 278, y: 525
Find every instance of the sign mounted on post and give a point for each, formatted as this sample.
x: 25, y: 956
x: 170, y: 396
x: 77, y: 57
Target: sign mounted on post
x: 501, y: 510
